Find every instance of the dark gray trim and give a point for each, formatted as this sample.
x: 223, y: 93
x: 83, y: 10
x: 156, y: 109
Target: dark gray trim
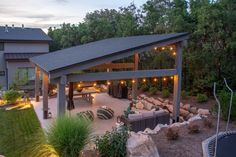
x: 118, y: 75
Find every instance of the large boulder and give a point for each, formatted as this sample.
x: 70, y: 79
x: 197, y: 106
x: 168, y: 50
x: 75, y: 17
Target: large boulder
x: 203, y: 111
x: 140, y: 145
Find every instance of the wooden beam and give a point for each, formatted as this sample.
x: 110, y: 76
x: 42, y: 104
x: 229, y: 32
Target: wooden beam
x: 119, y: 75
x: 109, y: 58
x: 37, y: 82
x: 177, y: 82
x: 135, y: 83
x: 61, y: 96
x: 114, y: 66
x: 45, y: 95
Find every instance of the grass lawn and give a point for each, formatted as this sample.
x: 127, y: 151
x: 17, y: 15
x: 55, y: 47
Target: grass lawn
x: 17, y: 128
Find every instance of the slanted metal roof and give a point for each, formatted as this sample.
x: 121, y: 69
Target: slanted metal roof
x: 20, y: 56
x: 98, y: 49
x: 23, y: 34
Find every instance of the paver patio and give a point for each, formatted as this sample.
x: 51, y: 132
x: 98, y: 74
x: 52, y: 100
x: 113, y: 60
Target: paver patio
x: 100, y: 99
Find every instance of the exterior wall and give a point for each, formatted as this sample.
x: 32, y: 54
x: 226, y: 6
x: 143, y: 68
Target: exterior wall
x: 12, y: 69
x: 26, y: 47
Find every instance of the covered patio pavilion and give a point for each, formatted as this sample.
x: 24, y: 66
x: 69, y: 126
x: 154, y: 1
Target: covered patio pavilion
x: 64, y: 66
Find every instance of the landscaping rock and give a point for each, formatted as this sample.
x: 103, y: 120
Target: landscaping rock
x: 184, y: 113
x: 139, y: 145
x: 197, y: 117
x: 193, y: 110
x: 203, y: 111
x: 160, y: 99
x: 181, y: 104
x: 157, y: 102
x: 166, y: 101
x: 187, y: 107
x: 160, y: 126
x: 189, y: 116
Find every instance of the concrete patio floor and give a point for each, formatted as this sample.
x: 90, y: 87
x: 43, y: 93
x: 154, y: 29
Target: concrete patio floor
x: 100, y: 99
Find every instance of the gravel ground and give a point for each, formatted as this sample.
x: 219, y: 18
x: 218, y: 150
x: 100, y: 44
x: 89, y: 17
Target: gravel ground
x: 187, y: 145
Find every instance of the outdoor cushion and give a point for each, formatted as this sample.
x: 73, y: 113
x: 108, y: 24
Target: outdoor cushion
x: 148, y: 114
x: 105, y: 113
x: 159, y: 112
x: 87, y: 115
x: 139, y: 105
x: 135, y: 116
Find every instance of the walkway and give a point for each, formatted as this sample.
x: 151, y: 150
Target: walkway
x: 100, y: 99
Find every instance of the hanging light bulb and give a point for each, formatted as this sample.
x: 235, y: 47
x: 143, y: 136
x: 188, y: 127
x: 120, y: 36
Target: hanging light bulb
x: 163, y: 48
x: 172, y: 77
x: 95, y: 84
x: 122, y: 82
x: 144, y: 80
x: 155, y: 48
x: 79, y: 85
x: 133, y: 81
x: 108, y: 83
x: 164, y: 79
x: 171, y: 48
x: 174, y: 53
x: 155, y: 79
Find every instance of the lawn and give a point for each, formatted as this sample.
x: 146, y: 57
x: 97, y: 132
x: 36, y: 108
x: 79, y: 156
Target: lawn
x: 17, y: 128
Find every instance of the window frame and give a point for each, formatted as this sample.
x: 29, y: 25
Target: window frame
x: 3, y: 46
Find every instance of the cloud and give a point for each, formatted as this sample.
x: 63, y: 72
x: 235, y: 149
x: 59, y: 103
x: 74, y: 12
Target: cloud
x: 62, y: 1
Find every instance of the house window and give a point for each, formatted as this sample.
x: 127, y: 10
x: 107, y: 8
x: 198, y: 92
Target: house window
x: 1, y: 46
x: 26, y: 73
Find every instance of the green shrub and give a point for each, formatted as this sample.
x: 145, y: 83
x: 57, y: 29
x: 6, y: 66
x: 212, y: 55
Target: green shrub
x: 165, y: 93
x: 153, y: 90
x: 69, y: 135
x: 113, y: 144
x: 184, y: 94
x: 202, y: 98
x: 11, y: 96
x: 224, y: 98
x: 144, y: 87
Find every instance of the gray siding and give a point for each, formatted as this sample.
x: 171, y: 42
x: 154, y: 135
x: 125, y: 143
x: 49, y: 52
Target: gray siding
x: 26, y: 47
x: 12, y: 69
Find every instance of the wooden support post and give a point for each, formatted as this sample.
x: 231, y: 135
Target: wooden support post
x: 70, y: 102
x: 37, y: 82
x: 135, y: 83
x: 177, y: 82
x: 45, y: 95
x: 61, y: 96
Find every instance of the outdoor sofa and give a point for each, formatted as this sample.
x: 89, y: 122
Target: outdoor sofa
x: 140, y: 121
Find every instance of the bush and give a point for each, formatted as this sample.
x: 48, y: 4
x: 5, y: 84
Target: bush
x: 208, y: 123
x: 11, y: 96
x: 224, y: 98
x: 184, y: 94
x: 144, y: 87
x: 165, y: 93
x: 193, y: 128
x: 113, y: 144
x: 202, y: 98
x: 153, y: 90
x: 172, y: 133
x: 69, y: 135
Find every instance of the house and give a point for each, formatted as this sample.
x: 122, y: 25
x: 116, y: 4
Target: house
x: 17, y: 45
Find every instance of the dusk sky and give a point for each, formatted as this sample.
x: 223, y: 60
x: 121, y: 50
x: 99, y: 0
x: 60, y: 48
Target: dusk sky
x: 45, y: 13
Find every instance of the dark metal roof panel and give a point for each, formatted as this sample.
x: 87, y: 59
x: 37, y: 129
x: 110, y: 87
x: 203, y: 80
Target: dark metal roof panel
x: 23, y: 34
x: 20, y: 56
x: 93, y: 50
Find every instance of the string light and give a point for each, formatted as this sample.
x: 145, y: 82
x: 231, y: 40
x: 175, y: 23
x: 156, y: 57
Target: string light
x: 171, y: 48
x: 164, y: 79
x: 108, y: 83
x: 122, y: 82
x: 144, y: 80
x: 79, y: 85
x: 155, y: 48
x: 174, y: 53
x: 133, y: 81
x: 155, y: 79
x: 172, y: 77
x: 163, y: 48
x: 95, y: 84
